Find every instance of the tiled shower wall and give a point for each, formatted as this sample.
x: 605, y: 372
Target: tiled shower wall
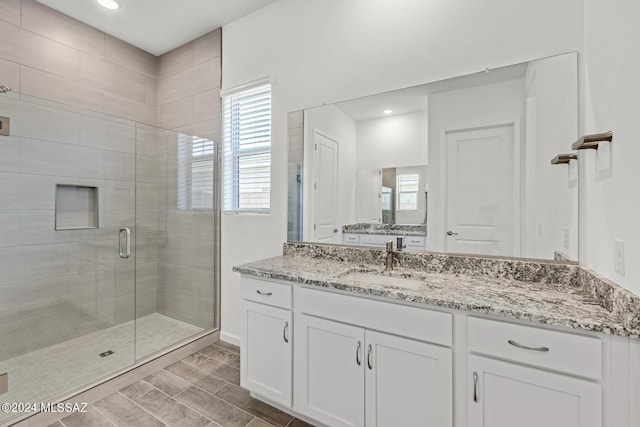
x: 188, y: 101
x: 56, y: 285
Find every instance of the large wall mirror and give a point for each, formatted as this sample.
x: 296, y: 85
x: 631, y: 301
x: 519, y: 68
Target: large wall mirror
x: 461, y: 165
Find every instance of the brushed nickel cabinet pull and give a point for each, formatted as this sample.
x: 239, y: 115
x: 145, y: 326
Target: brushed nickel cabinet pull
x: 475, y: 386
x: 358, y: 348
x: 285, y: 332
x: 265, y: 294
x: 515, y: 344
x: 369, y: 350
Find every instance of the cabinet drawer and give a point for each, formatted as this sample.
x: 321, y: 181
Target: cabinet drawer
x: 276, y: 294
x: 570, y: 353
x: 350, y: 239
x: 414, y: 241
x: 411, y: 322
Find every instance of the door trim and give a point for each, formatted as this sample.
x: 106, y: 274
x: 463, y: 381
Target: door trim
x: 444, y: 185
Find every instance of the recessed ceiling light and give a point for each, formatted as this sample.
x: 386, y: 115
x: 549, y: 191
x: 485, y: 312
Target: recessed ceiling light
x: 388, y: 111
x: 109, y: 4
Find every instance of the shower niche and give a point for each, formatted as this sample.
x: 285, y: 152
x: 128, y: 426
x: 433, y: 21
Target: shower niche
x: 76, y: 207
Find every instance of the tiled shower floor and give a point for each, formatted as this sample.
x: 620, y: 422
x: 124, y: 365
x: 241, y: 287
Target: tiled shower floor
x: 44, y: 374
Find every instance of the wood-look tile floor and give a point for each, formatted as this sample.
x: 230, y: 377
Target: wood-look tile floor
x: 200, y: 390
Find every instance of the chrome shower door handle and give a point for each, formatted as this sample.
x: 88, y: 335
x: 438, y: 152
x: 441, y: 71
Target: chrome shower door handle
x: 124, y: 248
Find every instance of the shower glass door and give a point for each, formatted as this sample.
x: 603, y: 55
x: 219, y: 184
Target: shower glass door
x: 67, y: 281
x: 106, y: 246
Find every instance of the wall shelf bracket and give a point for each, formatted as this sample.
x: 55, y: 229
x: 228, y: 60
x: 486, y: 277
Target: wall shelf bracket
x: 592, y: 141
x: 563, y: 159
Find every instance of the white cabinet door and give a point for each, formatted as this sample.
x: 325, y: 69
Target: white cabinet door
x: 331, y: 384
x: 508, y: 395
x: 408, y: 383
x: 266, y: 356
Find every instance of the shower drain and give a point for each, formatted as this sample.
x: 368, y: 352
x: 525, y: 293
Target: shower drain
x: 106, y: 353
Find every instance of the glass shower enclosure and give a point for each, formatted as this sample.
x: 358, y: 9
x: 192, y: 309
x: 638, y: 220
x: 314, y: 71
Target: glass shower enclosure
x: 107, y: 245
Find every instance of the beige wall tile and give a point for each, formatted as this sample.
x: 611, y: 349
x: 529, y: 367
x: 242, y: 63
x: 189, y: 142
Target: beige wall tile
x: 40, y: 122
x: 119, y: 52
x: 10, y: 74
x: 8, y: 229
x: 24, y: 47
x: 28, y: 263
x: 106, y: 134
x: 112, y: 78
x: 120, y: 106
x: 118, y: 166
x: 176, y: 61
x: 175, y: 114
x: 10, y: 11
x: 9, y: 154
x: 49, y: 86
x: 59, y: 27
x: 64, y: 160
x: 206, y: 105
x: 207, y: 47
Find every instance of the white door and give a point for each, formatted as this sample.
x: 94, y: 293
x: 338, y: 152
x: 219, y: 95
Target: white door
x: 332, y: 380
x: 369, y: 196
x: 508, y: 395
x: 266, y: 357
x: 408, y: 383
x: 325, y: 188
x: 481, y: 191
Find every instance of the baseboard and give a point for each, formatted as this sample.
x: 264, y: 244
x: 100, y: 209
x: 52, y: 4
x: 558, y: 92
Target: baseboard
x: 230, y: 338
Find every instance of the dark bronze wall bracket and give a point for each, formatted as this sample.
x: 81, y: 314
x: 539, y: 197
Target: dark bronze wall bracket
x: 592, y: 141
x: 563, y: 159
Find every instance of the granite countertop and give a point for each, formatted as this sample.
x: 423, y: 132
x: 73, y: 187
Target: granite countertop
x: 559, y: 304
x: 386, y: 229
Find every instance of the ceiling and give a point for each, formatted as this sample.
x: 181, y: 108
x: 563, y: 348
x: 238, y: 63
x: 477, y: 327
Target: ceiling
x: 414, y: 98
x: 157, y: 26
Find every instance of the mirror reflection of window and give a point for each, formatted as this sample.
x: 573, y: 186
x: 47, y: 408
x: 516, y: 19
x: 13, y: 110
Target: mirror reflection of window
x: 386, y: 198
x: 407, y: 185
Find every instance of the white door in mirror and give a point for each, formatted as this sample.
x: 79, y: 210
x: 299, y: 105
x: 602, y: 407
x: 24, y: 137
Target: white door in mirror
x: 480, y: 212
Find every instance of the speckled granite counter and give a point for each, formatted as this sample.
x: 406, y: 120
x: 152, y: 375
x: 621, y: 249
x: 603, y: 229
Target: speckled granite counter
x: 548, y: 292
x: 386, y: 229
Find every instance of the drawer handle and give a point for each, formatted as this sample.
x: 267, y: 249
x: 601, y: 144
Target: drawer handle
x: 475, y: 386
x: 369, y: 349
x: 265, y: 294
x: 285, y: 332
x: 358, y: 361
x: 515, y: 344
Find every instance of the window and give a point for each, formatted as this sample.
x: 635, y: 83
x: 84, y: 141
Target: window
x: 408, y: 192
x: 247, y: 150
x: 195, y: 172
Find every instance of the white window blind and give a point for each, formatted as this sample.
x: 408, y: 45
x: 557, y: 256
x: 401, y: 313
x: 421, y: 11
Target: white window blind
x: 408, y: 191
x: 247, y: 150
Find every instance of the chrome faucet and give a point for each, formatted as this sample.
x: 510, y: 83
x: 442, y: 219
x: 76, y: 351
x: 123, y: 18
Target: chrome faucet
x: 389, y: 266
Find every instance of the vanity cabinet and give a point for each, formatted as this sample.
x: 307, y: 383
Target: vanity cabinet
x: 505, y: 394
x: 353, y: 376
x: 538, y: 377
x: 266, y: 358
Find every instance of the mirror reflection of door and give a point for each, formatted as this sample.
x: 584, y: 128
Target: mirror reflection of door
x: 325, y: 188
x: 481, y: 191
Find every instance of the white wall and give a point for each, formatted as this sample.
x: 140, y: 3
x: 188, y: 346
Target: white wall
x: 491, y: 104
x: 610, y: 202
x: 329, y: 50
x: 336, y: 125
x: 394, y: 141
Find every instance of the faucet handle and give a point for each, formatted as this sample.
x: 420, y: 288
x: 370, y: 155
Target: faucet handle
x: 390, y: 246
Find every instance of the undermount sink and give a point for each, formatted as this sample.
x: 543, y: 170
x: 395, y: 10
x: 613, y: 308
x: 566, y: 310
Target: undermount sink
x: 385, y: 279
